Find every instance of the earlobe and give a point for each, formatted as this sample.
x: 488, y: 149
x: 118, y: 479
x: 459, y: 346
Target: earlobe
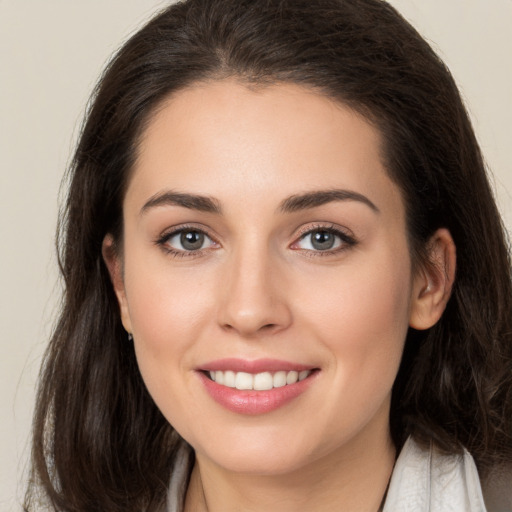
x: 432, y: 285
x: 114, y: 265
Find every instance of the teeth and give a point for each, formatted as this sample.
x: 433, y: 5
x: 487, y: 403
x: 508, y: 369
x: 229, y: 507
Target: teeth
x: 303, y: 374
x: 263, y: 381
x: 259, y: 382
x: 229, y: 379
x: 279, y: 379
x: 242, y: 380
x: 292, y: 377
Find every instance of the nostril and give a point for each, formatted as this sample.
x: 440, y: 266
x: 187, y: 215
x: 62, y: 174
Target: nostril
x: 248, y: 316
x: 250, y: 330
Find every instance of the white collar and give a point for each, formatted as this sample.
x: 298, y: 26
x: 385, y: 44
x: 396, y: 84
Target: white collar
x: 426, y: 480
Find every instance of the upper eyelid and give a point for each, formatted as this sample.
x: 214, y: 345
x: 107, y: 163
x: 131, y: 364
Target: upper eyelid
x: 185, y: 227
x: 327, y: 226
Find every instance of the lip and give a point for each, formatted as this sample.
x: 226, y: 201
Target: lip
x: 255, y: 366
x: 250, y: 402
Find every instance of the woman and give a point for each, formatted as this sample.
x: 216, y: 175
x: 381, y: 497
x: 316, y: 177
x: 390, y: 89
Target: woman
x: 287, y: 282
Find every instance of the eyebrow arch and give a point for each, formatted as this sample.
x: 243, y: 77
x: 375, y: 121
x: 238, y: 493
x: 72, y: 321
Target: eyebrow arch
x: 318, y: 198
x: 191, y: 201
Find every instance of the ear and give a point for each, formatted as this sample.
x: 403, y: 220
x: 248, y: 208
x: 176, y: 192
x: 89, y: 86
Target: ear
x: 432, y: 284
x: 114, y: 264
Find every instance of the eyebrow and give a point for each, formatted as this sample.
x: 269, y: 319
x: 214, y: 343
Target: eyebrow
x: 289, y: 205
x: 190, y: 201
x: 318, y: 198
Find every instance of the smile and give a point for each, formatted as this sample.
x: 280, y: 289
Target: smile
x: 260, y: 382
x: 255, y: 387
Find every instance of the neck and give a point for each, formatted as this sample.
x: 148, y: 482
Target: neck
x: 355, y: 477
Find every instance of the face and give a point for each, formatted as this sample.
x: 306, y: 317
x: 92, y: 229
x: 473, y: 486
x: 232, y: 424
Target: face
x: 266, y: 275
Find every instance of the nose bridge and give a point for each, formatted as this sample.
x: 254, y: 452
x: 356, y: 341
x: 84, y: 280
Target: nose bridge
x: 253, y: 299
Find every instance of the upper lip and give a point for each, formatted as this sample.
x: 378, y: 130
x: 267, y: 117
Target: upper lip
x: 253, y: 366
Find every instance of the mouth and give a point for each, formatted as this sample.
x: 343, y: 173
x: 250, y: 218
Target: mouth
x: 263, y: 381
x: 255, y: 387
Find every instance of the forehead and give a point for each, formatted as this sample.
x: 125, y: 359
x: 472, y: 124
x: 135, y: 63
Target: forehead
x: 265, y: 140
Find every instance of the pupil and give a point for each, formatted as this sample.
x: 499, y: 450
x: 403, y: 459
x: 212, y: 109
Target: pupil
x: 192, y: 240
x: 322, y: 240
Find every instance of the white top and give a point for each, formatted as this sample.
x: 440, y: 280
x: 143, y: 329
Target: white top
x: 429, y: 481
x: 424, y: 480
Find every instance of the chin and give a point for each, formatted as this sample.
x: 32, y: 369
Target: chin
x: 253, y: 461
x: 265, y: 452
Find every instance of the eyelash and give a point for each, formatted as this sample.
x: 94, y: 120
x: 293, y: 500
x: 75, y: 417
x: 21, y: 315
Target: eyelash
x: 163, y: 240
x: 347, y: 241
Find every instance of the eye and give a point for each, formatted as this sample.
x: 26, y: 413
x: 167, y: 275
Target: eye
x: 186, y: 240
x: 324, y: 240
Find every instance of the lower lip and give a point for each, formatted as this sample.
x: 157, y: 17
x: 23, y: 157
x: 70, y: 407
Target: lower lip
x: 252, y: 402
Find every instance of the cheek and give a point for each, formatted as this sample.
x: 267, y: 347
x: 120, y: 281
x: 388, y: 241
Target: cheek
x: 167, y: 311
x: 362, y: 317
x: 361, y: 320
x: 164, y: 303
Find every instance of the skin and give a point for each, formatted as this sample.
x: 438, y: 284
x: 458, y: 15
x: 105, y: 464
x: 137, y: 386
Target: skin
x: 259, y: 289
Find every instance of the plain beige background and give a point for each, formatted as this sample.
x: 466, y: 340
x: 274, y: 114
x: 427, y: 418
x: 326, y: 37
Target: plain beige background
x: 51, y: 52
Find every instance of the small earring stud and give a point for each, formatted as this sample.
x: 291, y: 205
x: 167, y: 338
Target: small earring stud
x: 130, y: 336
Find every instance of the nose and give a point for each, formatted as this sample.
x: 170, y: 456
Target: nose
x: 253, y: 296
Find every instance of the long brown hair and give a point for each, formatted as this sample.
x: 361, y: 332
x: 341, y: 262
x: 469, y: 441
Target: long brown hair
x: 100, y: 443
